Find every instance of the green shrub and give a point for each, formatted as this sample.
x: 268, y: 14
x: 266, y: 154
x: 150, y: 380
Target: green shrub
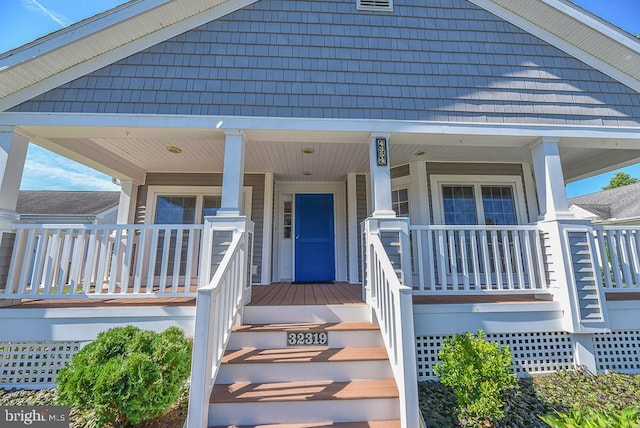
x: 594, y: 419
x: 127, y: 375
x: 479, y: 372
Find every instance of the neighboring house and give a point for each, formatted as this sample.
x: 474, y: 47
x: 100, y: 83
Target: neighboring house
x: 277, y: 153
x: 61, y: 206
x: 619, y: 206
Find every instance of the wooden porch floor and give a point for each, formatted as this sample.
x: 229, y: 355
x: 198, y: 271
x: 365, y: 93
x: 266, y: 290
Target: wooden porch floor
x: 286, y: 293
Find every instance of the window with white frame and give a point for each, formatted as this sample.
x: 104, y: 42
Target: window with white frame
x: 187, y: 204
x: 400, y: 196
x: 400, y: 201
x: 184, y: 205
x: 478, y: 200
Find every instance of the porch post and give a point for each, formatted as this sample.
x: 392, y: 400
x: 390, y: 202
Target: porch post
x: 547, y: 169
x: 13, y: 152
x: 380, y: 175
x: 574, y: 280
x: 127, y: 204
x: 233, y: 173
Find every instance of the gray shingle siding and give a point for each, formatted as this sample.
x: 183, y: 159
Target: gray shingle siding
x: 442, y: 60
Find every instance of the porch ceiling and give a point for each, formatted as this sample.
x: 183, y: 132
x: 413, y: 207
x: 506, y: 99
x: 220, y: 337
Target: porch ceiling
x: 131, y: 152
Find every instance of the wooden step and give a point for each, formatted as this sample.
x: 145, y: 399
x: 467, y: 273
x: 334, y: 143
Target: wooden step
x: 304, y: 355
x: 306, y: 313
x: 304, y: 391
x: 274, y: 336
x: 370, y: 424
x: 306, y: 326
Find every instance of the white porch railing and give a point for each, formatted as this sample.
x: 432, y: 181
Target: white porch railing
x: 618, y: 257
x: 115, y: 261
x: 219, y: 306
x: 477, y: 259
x: 393, y: 307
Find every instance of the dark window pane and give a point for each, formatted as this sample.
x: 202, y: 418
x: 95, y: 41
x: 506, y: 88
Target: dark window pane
x: 498, y: 204
x: 175, y: 210
x: 459, y: 205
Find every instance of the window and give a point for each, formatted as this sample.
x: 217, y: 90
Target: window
x: 400, y: 201
x: 473, y: 200
x: 187, y: 204
x: 287, y: 215
x: 175, y: 210
x: 479, y: 200
x: 183, y: 205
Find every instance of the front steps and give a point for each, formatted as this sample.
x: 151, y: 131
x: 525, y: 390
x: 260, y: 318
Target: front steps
x: 265, y: 383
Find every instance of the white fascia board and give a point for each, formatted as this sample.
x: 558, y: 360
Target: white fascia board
x: 121, y: 52
x: 563, y: 45
x: 18, y: 119
x: 76, y: 32
x: 595, y: 22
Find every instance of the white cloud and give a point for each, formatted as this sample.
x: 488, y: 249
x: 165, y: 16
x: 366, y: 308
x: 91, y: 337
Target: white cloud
x: 35, y: 5
x: 44, y: 170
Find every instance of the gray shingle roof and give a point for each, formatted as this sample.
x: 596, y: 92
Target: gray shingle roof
x: 619, y: 203
x: 65, y: 202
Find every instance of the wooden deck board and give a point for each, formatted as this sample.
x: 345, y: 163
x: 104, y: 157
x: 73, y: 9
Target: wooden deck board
x: 303, y: 355
x: 279, y: 294
x: 286, y: 293
x: 306, y: 326
x: 303, y: 391
x: 328, y: 424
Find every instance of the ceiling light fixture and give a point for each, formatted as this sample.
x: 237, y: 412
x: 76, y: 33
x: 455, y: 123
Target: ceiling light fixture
x: 174, y: 150
x: 420, y: 152
x: 306, y: 173
x: 308, y: 151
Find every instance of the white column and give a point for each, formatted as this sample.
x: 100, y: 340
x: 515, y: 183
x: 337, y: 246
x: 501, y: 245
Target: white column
x: 353, y: 228
x: 13, y: 152
x: 547, y: 169
x: 127, y: 204
x: 233, y: 173
x: 267, y: 229
x: 418, y: 195
x: 380, y: 175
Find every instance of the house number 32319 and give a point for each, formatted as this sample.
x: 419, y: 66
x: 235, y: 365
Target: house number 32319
x: 306, y: 338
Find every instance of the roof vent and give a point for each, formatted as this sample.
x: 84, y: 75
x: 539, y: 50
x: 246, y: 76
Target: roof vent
x: 378, y: 5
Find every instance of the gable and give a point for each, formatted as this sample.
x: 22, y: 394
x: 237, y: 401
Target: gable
x: 446, y: 60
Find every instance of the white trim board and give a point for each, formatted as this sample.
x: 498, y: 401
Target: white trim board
x: 339, y: 208
x: 26, y: 120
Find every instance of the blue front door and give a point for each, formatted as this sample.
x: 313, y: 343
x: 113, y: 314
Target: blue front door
x: 314, y: 243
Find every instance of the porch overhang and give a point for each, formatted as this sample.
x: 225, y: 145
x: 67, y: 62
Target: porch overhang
x: 129, y: 146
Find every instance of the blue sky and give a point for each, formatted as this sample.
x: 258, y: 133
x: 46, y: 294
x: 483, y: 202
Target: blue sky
x: 22, y: 21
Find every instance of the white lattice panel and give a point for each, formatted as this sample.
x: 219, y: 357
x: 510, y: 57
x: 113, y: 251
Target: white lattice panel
x: 543, y: 352
x: 617, y: 351
x: 32, y: 365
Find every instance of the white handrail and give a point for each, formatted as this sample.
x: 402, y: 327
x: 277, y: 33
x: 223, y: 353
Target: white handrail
x: 393, y: 307
x: 56, y: 261
x: 219, y: 303
x: 618, y: 257
x: 477, y: 259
